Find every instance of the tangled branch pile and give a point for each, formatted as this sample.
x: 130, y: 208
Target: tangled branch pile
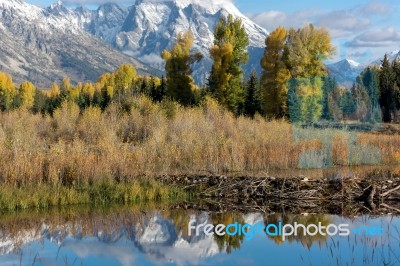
x: 377, y: 193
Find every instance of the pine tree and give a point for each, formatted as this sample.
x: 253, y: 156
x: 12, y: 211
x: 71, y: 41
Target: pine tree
x: 396, y: 70
x: 158, y: 92
x: 387, y: 86
x: 178, y: 60
x: 329, y: 84
x: 251, y: 103
x: 334, y: 103
x: 347, y: 104
x: 40, y: 103
x: 274, y: 75
x: 369, y: 80
x: 305, y: 101
x: 361, y: 100
x: 229, y: 54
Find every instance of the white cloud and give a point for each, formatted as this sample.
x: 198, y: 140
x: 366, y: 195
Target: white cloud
x: 384, y: 37
x: 272, y: 19
x: 341, y: 23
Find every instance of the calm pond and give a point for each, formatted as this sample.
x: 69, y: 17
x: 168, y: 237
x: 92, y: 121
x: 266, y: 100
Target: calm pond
x: 158, y: 235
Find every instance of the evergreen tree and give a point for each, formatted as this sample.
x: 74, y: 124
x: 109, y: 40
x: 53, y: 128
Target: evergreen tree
x: 274, y: 75
x: 251, y: 103
x: 178, y: 60
x: 40, y: 103
x: 347, y: 104
x: 369, y: 81
x: 387, y: 88
x: 159, y: 92
x: 361, y: 100
x: 305, y: 99
x: 229, y: 54
x: 329, y: 84
x: 334, y: 103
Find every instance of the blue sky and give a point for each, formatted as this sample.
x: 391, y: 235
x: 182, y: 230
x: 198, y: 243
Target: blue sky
x: 362, y: 30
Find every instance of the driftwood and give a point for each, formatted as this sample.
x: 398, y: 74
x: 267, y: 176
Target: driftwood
x: 377, y: 193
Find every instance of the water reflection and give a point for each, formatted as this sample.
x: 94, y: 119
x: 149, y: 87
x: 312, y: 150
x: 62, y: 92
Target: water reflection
x: 159, y: 236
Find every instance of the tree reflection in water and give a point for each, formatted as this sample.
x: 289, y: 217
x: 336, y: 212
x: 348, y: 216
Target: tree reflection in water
x: 159, y: 235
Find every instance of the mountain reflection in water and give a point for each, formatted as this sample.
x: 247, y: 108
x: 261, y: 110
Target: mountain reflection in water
x: 158, y: 236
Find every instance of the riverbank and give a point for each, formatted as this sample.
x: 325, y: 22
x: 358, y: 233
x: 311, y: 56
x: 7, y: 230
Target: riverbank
x: 120, y: 154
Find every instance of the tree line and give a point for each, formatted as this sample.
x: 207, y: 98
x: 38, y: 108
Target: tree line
x: 294, y: 83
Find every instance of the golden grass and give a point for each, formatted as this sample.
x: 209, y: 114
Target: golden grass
x: 145, y: 139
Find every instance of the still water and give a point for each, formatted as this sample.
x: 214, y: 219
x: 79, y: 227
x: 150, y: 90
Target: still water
x: 158, y: 235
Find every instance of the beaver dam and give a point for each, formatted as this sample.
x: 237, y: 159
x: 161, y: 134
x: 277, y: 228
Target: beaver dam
x: 377, y: 193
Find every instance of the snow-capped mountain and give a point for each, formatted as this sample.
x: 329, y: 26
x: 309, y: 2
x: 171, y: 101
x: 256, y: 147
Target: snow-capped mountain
x: 345, y: 71
x: 148, y: 27
x: 394, y: 55
x: 44, y: 45
x: 152, y: 235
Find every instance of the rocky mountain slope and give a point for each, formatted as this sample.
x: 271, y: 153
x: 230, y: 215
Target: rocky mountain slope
x: 44, y: 45
x: 148, y: 27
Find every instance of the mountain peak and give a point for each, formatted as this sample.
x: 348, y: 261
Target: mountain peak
x: 353, y: 63
x: 209, y: 6
x: 58, y: 8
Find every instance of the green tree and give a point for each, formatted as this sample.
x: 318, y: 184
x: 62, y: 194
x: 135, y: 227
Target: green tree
x: 40, y: 103
x: 229, y: 54
x: 274, y: 75
x: 329, y: 84
x: 251, y: 103
x: 178, y: 60
x: 307, y: 96
x: 388, y: 90
x: 361, y: 101
x: 158, y: 91
x: 347, y: 104
x: 334, y: 103
x: 304, y: 53
x: 369, y: 81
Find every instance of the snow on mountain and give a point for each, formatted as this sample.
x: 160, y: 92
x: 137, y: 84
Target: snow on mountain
x: 148, y: 27
x: 345, y: 71
x: 153, y: 235
x: 46, y: 44
x: 394, y: 55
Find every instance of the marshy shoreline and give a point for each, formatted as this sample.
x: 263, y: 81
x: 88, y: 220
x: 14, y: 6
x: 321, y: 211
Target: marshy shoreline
x: 125, y: 152
x: 339, y: 192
